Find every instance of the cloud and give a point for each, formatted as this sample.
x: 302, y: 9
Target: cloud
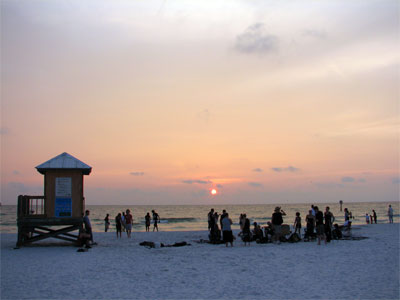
x: 136, y: 173
x: 4, y: 131
x: 396, y: 180
x: 362, y: 180
x: 190, y: 181
x: 328, y: 185
x: 16, y: 172
x: 255, y: 184
x: 220, y: 186
x: 257, y: 170
x: 255, y: 39
x: 288, y: 169
x: 314, y: 33
x: 348, y: 179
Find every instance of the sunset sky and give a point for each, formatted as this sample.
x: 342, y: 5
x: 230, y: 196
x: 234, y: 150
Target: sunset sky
x: 264, y: 101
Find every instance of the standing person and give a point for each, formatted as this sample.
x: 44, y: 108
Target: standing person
x: 106, y: 223
x: 224, y: 213
x: 123, y: 221
x: 147, y: 219
x: 297, y: 224
x: 118, y: 224
x: 88, y: 225
x: 374, y: 215
x: 241, y: 222
x: 128, y: 222
x: 227, y: 230
x: 310, y: 220
x: 390, y: 213
x: 346, y: 217
x: 246, y: 233
x: 277, y: 221
x: 156, y: 219
x: 210, y: 216
x: 329, y: 219
x: 319, y: 221
x: 313, y: 210
x: 366, y: 218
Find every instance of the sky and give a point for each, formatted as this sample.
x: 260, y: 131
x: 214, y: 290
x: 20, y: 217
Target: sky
x: 264, y: 101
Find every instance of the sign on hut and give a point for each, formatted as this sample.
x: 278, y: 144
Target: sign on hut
x: 62, y: 205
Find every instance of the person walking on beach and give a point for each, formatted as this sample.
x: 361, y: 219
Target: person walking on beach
x: 319, y: 221
x: 210, y: 216
x: 277, y: 221
x: 88, y: 225
x: 390, y: 213
x: 118, y: 224
x: 156, y: 219
x: 297, y: 224
x: 128, y: 222
x: 227, y: 230
x: 374, y: 216
x: 106, y: 223
x: 329, y: 219
x: 147, y: 219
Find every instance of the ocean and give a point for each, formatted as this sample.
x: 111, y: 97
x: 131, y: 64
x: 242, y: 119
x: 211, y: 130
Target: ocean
x: 194, y: 217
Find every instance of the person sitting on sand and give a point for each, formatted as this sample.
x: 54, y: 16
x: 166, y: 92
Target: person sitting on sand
x: 227, y: 230
x: 156, y: 219
x: 257, y: 232
x: 118, y: 224
x: 128, y: 221
x: 268, y: 231
x: 336, y: 232
x: 319, y: 222
x: 147, y: 220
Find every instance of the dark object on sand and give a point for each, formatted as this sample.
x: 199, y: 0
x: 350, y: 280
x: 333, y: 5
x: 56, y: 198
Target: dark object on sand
x: 161, y: 245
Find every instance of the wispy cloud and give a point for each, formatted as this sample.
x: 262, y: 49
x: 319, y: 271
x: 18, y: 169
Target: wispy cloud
x: 191, y: 181
x: 255, y: 184
x: 4, y: 131
x: 348, y: 179
x: 396, y: 180
x: 257, y: 170
x: 256, y: 39
x: 136, y: 173
x: 288, y: 169
x: 314, y: 33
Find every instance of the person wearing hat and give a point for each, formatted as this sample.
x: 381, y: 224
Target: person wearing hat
x: 277, y: 221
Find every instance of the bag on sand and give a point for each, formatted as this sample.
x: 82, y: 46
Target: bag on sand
x: 294, y: 238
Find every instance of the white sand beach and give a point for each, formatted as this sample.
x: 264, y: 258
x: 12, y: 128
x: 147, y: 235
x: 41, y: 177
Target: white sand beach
x: 121, y: 269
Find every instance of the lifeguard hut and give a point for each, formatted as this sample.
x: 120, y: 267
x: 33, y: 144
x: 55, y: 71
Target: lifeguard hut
x: 62, y: 205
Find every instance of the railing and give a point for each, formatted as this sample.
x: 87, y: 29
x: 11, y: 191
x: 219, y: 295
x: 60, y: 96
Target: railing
x: 31, y: 206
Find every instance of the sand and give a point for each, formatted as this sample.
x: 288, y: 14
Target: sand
x: 121, y: 269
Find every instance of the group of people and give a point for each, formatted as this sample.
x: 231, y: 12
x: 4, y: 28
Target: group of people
x: 319, y: 226
x: 124, y: 222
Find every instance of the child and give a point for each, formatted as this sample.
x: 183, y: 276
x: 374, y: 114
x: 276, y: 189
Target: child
x: 367, y: 218
x: 297, y: 224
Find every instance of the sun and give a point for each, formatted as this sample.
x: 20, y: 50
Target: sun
x: 214, y: 192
